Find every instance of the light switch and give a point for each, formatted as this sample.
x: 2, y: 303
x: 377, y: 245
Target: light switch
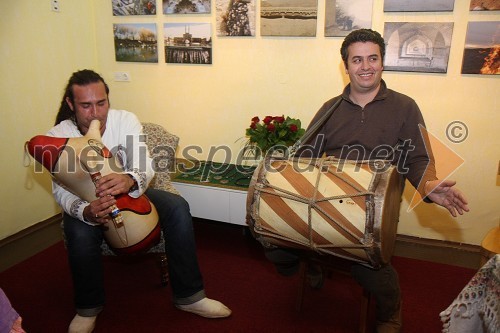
x: 55, y: 5
x: 122, y: 76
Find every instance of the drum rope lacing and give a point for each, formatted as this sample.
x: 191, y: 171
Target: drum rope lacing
x: 369, y: 242
x: 312, y: 203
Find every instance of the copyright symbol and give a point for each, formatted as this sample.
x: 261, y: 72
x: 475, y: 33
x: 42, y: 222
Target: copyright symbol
x: 457, y: 131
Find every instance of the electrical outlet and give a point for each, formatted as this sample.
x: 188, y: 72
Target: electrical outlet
x: 55, y: 5
x: 122, y: 76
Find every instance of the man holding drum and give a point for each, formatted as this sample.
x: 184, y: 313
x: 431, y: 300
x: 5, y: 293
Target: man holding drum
x: 370, y: 119
x: 86, y: 99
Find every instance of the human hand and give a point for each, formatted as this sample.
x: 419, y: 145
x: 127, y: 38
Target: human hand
x: 98, y: 210
x: 113, y: 184
x: 444, y: 194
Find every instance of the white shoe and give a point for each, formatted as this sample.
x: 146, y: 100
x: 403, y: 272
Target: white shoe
x: 81, y: 324
x: 207, y: 308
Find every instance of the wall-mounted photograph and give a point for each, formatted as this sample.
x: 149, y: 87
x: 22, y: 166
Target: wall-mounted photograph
x: 343, y: 16
x: 484, y: 5
x: 186, y: 7
x: 188, y: 43
x: 289, y: 18
x: 136, y: 42
x: 482, y: 48
x: 417, y: 47
x: 134, y: 7
x: 418, y: 5
x: 235, y: 17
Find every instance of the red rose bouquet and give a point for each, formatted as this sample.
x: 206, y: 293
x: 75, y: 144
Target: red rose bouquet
x: 276, y: 132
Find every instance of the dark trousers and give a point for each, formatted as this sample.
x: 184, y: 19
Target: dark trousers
x: 84, y: 254
x: 382, y: 283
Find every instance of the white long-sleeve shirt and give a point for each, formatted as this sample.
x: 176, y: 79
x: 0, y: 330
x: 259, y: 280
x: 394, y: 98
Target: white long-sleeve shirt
x: 123, y: 137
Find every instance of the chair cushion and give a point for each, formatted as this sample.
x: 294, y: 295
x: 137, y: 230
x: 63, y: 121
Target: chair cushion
x: 162, y: 146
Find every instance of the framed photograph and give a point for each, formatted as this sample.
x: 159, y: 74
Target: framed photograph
x: 482, y: 48
x: 418, y: 5
x: 188, y: 43
x: 484, y: 5
x: 134, y: 7
x: 186, y: 7
x: 417, y: 47
x: 136, y: 42
x: 343, y: 16
x: 290, y: 18
x: 235, y: 18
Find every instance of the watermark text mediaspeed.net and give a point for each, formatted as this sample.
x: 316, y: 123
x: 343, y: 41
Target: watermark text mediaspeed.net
x: 447, y: 161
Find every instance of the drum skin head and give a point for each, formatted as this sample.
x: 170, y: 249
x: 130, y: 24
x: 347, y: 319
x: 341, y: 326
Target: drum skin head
x: 387, y: 206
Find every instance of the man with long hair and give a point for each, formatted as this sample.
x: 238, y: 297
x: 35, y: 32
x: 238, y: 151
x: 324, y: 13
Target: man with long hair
x: 86, y: 98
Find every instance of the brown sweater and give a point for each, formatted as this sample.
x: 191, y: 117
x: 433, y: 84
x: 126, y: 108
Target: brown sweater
x: 386, y: 128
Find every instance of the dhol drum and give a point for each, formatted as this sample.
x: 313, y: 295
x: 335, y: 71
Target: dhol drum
x: 77, y: 163
x: 339, y: 207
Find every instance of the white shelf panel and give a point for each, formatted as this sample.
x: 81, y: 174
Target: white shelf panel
x: 215, y: 203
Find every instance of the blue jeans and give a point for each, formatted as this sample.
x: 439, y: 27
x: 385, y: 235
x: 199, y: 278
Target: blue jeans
x: 84, y: 255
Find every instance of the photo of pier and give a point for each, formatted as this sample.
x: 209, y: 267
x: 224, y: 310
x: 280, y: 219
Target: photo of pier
x: 188, y: 43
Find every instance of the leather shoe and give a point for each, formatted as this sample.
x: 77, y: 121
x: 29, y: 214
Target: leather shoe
x: 207, y: 308
x: 81, y: 324
x: 393, y: 325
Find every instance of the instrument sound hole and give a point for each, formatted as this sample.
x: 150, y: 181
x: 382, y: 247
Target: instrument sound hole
x: 341, y: 201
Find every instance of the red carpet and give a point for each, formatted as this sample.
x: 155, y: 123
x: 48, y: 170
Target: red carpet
x: 236, y: 273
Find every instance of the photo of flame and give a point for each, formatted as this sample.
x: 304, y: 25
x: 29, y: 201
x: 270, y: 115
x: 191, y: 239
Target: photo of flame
x: 492, y: 62
x: 482, y: 48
